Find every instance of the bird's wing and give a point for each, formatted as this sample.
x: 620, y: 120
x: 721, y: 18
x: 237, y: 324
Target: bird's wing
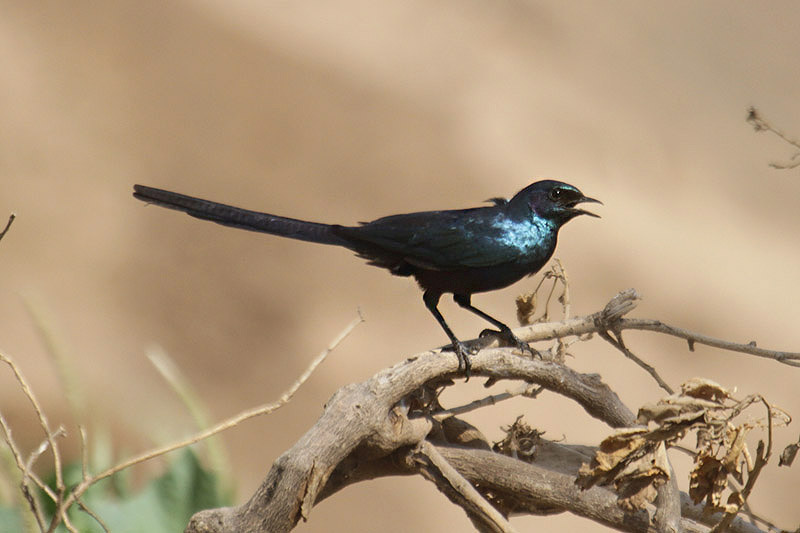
x: 438, y: 240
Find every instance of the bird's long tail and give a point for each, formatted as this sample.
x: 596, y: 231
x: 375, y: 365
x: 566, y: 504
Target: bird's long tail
x: 240, y: 218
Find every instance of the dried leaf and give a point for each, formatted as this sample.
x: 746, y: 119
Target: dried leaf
x: 788, y: 454
x: 705, y: 389
x: 672, y: 412
x: 521, y: 441
x: 614, y: 453
x: 526, y: 308
x: 637, y: 485
x: 735, y: 456
x: 630, y: 458
x: 707, y: 480
x: 736, y: 499
x: 635, y: 464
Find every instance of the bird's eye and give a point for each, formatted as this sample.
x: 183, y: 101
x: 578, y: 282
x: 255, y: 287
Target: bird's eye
x: 555, y: 194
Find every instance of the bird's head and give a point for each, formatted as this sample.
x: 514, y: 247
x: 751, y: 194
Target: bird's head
x: 554, y: 200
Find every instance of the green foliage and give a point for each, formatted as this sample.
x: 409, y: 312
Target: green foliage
x: 10, y: 520
x: 165, y: 504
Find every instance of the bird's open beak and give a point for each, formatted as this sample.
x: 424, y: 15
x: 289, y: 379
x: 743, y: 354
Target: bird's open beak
x: 585, y: 199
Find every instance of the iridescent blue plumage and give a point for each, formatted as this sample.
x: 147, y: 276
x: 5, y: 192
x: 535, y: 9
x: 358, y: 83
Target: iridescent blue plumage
x: 460, y: 251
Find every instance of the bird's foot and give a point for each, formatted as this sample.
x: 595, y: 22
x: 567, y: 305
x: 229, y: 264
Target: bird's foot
x: 463, y: 353
x: 509, y: 339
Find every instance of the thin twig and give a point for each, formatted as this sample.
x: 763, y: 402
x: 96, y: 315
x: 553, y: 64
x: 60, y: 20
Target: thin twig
x: 26, y: 389
x: 64, y: 518
x: 565, y: 296
x: 619, y: 344
x: 566, y: 306
x: 181, y: 385
x: 11, y: 218
x: 45, y: 444
x: 76, y: 493
x: 26, y: 492
x: 527, y: 390
x: 787, y: 358
x: 475, y: 503
x: 44, y: 487
x: 761, y: 124
x: 91, y: 513
x: 762, y: 458
x: 754, y: 517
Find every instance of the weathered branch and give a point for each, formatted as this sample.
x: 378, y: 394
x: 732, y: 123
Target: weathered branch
x: 369, y: 417
x: 370, y: 429
x: 435, y: 467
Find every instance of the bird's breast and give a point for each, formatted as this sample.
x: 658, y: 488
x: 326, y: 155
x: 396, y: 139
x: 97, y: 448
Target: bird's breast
x: 530, y: 237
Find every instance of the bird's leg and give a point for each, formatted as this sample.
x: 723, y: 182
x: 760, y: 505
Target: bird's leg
x: 431, y: 300
x: 465, y: 301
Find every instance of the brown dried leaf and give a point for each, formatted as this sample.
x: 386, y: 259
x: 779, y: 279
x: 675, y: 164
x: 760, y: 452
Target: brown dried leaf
x: 705, y: 389
x: 635, y: 465
x: 521, y: 441
x: 526, y: 308
x: 656, y: 412
x: 637, y: 485
x: 736, y: 451
x: 736, y: 499
x: 788, y: 454
x: 614, y: 453
x: 681, y: 414
x: 707, y: 480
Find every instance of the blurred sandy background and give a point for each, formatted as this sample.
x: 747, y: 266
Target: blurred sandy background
x: 347, y: 111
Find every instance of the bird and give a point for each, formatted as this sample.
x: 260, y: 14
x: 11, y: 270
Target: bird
x: 459, y: 251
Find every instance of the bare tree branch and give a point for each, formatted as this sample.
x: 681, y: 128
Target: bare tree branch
x: 393, y: 424
x: 787, y: 358
x: 378, y: 433
x: 759, y: 123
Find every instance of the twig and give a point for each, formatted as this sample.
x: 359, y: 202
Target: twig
x: 74, y: 496
x: 91, y: 513
x: 754, y: 517
x: 619, y: 344
x: 179, y: 383
x: 26, y: 492
x: 67, y: 523
x: 787, y: 358
x: 45, y: 444
x: 761, y: 124
x: 26, y: 389
x: 565, y: 296
x: 449, y: 479
x: 11, y: 218
x: 527, y: 390
x: 762, y: 458
x: 76, y: 493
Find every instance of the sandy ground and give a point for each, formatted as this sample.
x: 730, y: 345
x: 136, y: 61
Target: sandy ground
x: 352, y: 110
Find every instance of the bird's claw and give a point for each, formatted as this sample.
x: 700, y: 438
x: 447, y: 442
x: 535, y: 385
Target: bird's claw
x: 509, y: 339
x: 463, y: 353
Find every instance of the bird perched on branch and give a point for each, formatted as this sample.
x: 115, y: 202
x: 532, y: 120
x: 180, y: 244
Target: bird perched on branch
x: 460, y: 251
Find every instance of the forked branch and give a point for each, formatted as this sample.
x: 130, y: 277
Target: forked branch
x: 390, y: 425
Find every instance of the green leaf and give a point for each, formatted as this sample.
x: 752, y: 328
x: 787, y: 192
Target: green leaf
x: 10, y: 520
x: 164, y: 505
